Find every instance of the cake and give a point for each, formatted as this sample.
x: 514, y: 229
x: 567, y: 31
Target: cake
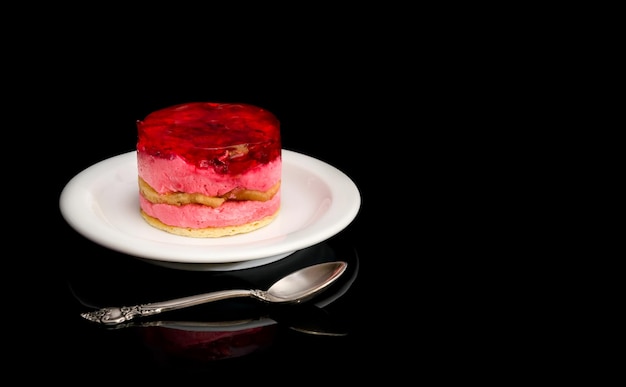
x: 209, y: 169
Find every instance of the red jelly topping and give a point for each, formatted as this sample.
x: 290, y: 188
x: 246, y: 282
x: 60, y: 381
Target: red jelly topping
x: 228, y: 137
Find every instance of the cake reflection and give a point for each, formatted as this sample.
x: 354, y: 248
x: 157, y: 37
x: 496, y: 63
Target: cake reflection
x: 180, y: 342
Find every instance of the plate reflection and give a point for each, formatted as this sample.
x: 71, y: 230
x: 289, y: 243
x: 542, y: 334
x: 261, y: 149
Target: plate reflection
x: 227, y: 329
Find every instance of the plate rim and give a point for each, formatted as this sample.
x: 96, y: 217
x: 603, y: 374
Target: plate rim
x: 97, y: 172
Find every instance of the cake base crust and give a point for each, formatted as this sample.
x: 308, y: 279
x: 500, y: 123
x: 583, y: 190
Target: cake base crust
x: 209, y: 232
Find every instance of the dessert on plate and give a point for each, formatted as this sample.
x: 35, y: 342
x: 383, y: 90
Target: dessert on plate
x: 209, y: 169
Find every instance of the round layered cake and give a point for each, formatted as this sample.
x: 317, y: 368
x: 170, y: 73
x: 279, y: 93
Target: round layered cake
x: 209, y: 169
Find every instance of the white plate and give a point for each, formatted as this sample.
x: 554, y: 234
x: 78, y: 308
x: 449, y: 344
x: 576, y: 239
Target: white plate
x: 317, y: 202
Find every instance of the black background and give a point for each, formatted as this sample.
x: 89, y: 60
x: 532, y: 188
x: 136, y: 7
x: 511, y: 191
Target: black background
x: 378, y: 103
x: 338, y: 111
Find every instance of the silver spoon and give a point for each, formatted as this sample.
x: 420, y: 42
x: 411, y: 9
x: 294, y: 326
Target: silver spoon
x: 296, y: 287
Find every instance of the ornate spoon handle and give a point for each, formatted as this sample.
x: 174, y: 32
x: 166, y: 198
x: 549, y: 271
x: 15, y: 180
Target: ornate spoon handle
x: 117, y: 315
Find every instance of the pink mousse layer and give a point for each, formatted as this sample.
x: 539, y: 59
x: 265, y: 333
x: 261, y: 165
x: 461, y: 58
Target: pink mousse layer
x: 231, y: 213
x: 176, y: 175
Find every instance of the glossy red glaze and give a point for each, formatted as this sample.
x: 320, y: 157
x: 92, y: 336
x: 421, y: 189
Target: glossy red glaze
x: 228, y: 137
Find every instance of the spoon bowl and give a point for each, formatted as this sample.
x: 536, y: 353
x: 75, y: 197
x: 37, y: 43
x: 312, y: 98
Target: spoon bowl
x: 303, y: 284
x: 296, y: 287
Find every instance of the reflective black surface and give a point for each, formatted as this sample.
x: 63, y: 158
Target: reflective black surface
x: 229, y: 331
x: 424, y: 125
x: 378, y: 312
